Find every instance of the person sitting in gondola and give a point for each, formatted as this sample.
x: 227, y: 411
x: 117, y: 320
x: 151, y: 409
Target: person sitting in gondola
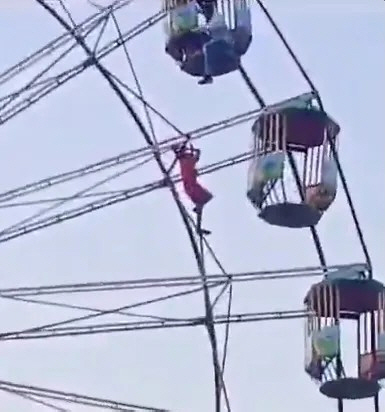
x: 185, y: 40
x: 188, y: 159
x: 218, y: 52
x: 223, y: 51
x: 207, y: 51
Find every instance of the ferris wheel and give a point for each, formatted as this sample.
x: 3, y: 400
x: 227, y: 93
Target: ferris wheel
x: 293, y: 170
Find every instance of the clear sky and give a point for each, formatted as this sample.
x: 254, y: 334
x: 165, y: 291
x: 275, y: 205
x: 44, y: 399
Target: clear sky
x: 341, y: 43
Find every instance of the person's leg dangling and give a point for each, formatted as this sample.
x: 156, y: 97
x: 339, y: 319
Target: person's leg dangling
x: 207, y: 78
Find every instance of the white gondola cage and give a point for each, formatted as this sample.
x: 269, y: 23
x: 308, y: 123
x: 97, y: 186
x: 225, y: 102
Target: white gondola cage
x: 293, y: 175
x: 346, y: 294
x: 322, y: 335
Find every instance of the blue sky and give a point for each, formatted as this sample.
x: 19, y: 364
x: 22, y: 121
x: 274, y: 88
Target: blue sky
x: 341, y: 45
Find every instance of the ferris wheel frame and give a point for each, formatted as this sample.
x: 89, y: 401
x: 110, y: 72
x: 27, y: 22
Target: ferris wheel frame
x: 15, y: 103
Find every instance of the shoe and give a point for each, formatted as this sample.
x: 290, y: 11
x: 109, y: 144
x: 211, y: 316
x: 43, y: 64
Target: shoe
x: 206, y: 80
